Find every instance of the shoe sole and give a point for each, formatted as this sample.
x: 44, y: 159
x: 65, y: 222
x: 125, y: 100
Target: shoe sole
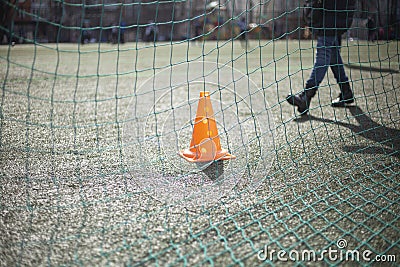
x: 342, y: 103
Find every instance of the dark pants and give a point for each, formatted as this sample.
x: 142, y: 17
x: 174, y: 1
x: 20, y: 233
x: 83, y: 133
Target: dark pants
x: 328, y: 55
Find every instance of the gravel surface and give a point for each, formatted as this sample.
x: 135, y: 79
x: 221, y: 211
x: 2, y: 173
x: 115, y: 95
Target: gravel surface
x: 90, y: 173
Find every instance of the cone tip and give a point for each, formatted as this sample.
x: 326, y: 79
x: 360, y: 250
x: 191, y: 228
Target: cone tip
x: 204, y: 93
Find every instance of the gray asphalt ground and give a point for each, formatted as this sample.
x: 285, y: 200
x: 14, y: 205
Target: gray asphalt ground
x: 90, y: 173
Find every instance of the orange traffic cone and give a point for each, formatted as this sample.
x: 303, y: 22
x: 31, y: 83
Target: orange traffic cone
x: 205, y: 145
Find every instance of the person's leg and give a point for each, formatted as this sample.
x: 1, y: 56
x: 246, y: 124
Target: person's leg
x: 325, y: 46
x: 336, y: 63
x: 322, y: 62
x: 346, y: 94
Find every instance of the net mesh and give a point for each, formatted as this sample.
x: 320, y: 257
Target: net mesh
x: 99, y: 97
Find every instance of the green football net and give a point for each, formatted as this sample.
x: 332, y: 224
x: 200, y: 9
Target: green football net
x: 116, y: 115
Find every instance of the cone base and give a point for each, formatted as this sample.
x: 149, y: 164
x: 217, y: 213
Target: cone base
x: 194, y: 157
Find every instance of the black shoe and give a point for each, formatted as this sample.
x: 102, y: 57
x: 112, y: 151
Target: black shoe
x: 346, y: 96
x: 342, y: 101
x: 301, y: 101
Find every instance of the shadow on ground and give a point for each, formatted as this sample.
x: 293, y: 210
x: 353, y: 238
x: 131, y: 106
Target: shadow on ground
x: 367, y: 128
x: 213, y: 170
x: 371, y: 69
